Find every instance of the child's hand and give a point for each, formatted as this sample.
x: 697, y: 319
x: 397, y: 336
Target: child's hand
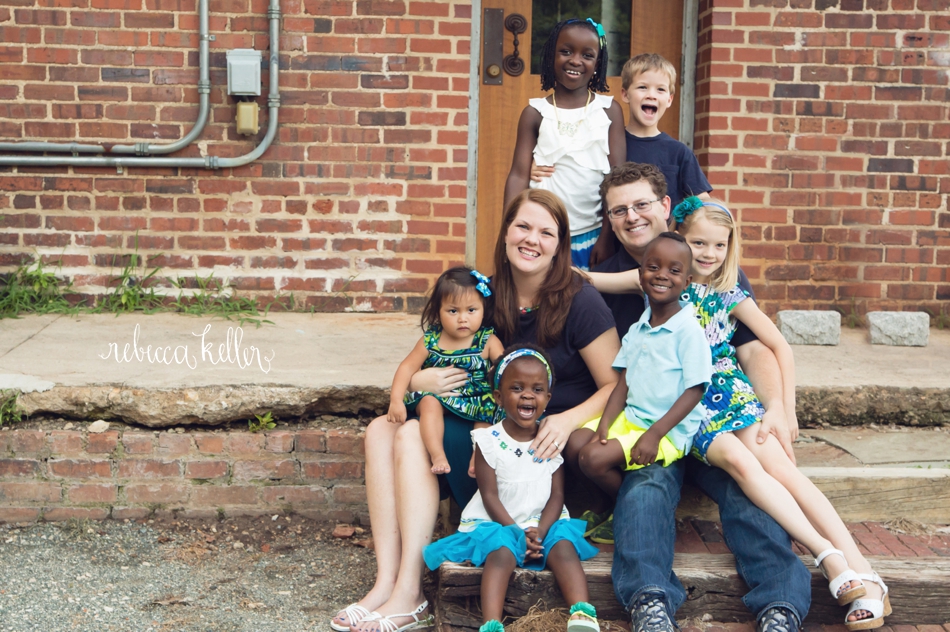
x: 397, y: 412
x: 645, y: 449
x: 775, y: 423
x: 539, y: 173
x: 601, y: 435
x: 792, y: 418
x: 535, y: 550
x: 471, y: 466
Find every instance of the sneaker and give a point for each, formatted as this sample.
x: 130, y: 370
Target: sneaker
x: 604, y: 532
x: 778, y: 619
x: 593, y: 520
x: 649, y: 614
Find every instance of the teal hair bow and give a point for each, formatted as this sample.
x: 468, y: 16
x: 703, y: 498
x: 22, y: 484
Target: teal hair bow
x: 600, y: 28
x: 686, y: 207
x: 482, y: 286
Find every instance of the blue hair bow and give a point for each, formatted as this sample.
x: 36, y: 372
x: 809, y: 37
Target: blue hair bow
x: 686, y: 207
x: 482, y: 286
x: 599, y: 28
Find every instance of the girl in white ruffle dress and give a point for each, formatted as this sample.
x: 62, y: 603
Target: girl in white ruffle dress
x: 518, y: 518
x: 574, y: 129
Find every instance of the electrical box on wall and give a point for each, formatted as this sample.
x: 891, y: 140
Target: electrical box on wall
x: 244, y: 72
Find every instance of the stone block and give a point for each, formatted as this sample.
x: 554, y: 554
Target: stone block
x: 899, y: 329
x: 804, y: 327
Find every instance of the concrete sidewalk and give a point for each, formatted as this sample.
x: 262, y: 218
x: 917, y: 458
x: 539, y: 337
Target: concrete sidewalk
x: 201, y: 370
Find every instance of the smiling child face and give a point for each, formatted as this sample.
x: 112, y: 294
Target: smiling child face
x: 664, y: 273
x: 523, y: 393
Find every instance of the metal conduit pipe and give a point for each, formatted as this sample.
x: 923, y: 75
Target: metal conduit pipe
x: 206, y: 162
x: 145, y: 149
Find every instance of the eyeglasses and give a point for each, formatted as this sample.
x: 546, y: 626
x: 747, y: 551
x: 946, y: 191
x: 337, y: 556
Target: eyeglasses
x: 640, y: 208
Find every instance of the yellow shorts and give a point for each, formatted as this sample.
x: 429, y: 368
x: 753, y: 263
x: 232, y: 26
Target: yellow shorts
x: 628, y: 434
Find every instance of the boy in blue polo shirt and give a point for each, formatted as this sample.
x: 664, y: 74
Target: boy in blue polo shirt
x: 654, y: 411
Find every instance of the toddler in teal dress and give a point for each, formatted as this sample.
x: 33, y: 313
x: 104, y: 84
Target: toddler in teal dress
x: 456, y: 335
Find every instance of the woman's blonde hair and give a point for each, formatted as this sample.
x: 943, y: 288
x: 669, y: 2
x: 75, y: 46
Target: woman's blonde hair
x: 715, y: 211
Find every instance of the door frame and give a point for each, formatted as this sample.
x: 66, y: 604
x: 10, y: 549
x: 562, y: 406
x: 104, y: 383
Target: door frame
x: 686, y: 90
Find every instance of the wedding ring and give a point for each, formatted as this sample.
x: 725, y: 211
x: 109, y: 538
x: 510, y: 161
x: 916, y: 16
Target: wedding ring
x: 556, y: 445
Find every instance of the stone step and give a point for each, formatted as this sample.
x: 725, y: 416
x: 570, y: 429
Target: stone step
x: 868, y: 473
x: 860, y: 493
x: 920, y: 591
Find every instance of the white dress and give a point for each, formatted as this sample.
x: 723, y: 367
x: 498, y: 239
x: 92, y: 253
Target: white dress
x: 581, y: 158
x: 523, y: 485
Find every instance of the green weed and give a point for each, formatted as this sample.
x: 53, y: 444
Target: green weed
x: 132, y: 292
x: 261, y: 422
x: 10, y: 412
x: 850, y: 317
x: 211, y: 296
x: 941, y: 318
x: 32, y: 290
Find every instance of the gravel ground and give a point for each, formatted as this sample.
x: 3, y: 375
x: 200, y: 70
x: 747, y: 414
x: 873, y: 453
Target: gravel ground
x: 268, y: 573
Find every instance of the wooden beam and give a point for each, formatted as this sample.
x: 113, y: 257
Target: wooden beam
x: 920, y: 590
x: 861, y: 494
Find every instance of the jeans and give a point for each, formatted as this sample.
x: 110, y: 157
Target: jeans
x: 645, y: 532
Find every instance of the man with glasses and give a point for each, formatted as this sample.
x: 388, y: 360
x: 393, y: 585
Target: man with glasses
x: 638, y: 209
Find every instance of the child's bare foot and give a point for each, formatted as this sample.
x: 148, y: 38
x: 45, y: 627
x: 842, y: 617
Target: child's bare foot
x: 440, y: 465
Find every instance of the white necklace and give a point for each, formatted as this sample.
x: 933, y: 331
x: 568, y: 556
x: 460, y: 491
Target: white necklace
x: 567, y: 128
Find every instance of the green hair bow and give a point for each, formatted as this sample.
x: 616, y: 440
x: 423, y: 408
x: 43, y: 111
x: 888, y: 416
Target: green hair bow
x: 686, y: 207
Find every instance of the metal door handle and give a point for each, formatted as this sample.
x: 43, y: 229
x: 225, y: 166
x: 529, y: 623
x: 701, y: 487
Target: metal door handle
x: 493, y: 40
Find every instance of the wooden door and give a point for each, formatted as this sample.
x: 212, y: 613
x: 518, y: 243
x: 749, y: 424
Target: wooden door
x: 655, y: 27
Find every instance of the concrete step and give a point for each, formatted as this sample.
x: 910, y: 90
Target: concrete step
x: 211, y: 371
x: 868, y: 473
x: 920, y: 591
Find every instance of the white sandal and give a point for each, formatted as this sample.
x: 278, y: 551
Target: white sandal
x: 385, y: 623
x: 354, y: 613
x: 835, y: 584
x: 879, y: 608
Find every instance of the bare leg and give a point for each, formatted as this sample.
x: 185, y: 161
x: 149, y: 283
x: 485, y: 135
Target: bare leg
x: 817, y: 508
x: 569, y: 574
x: 605, y: 465
x: 495, y: 575
x: 381, y: 498
x: 432, y: 424
x: 595, y: 498
x: 416, y: 506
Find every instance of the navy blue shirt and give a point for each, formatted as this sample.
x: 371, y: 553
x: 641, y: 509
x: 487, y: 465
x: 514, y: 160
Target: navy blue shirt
x: 588, y: 318
x: 627, y: 308
x: 677, y: 162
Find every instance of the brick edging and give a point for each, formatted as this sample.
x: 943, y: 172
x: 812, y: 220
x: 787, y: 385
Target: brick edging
x: 61, y: 474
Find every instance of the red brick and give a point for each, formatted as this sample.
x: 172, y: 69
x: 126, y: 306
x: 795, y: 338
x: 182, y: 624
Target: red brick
x: 332, y: 470
x: 349, y: 494
x: 295, y: 496
x: 206, y: 469
x: 148, y: 468
x: 216, y: 495
x: 280, y: 441
x: 65, y: 441
x: 76, y: 468
x: 244, y: 443
x: 33, y: 491
x: 173, y: 444
x: 58, y: 514
x: 137, y: 443
x: 311, y: 441
x: 27, y: 441
x: 19, y: 514
x: 260, y: 470
x: 92, y: 493
x: 102, y: 443
x: 156, y: 493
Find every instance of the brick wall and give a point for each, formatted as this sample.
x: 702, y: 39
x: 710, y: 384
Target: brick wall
x: 358, y: 204
x: 824, y: 123
x: 62, y: 474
